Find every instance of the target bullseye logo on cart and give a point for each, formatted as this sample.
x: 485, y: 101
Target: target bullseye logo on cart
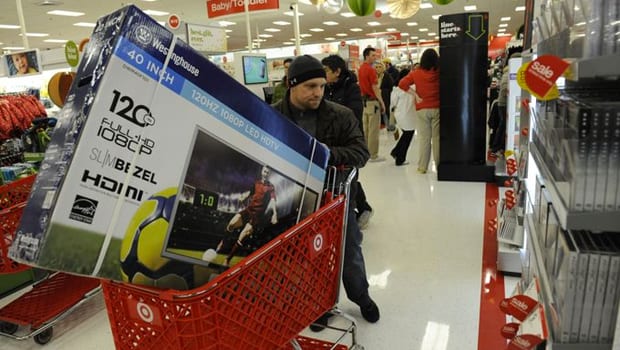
x: 318, y: 242
x: 145, y: 312
x: 141, y: 311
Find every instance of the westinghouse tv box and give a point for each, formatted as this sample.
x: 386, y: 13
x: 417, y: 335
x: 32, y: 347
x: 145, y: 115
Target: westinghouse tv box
x: 163, y: 169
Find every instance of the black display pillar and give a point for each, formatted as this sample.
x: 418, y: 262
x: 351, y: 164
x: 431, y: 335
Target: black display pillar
x: 463, y: 51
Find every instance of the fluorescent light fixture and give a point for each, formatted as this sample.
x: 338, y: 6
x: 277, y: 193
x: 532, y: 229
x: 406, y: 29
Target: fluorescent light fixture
x: 580, y: 24
x: 431, y: 34
x: 414, y: 38
x: 504, y: 19
x: 282, y: 23
x: 470, y: 8
x: 226, y: 23
x: 411, y: 24
x: 10, y: 48
x: 357, y: 29
x: 259, y: 40
x: 55, y: 41
x: 404, y: 34
x: 501, y: 30
x: 36, y: 35
x: 228, y: 30
x: 436, y: 17
x: 149, y: 0
x: 306, y: 2
x: 65, y: 13
x: 305, y: 35
x: 374, y: 24
x: 520, y: 8
x: 156, y: 13
x: 348, y: 14
x: 273, y: 30
x: 423, y: 29
x: 503, y: 25
x: 426, y: 5
x: 342, y: 34
x: 85, y: 24
x: 288, y: 43
x: 9, y: 26
x: 330, y: 23
x: 291, y: 13
x: 316, y: 30
x: 265, y: 36
x: 391, y: 30
x: 505, y: 34
x: 330, y: 39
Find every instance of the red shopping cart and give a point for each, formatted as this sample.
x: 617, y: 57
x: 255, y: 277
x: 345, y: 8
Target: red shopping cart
x: 50, y: 299
x: 263, y: 302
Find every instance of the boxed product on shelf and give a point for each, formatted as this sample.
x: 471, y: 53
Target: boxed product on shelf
x: 551, y: 228
x: 158, y: 160
x: 586, y: 248
x: 610, y: 304
x: 564, y: 285
x: 600, y: 247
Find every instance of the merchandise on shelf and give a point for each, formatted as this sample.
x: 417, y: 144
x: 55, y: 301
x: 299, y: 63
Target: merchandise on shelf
x: 155, y: 152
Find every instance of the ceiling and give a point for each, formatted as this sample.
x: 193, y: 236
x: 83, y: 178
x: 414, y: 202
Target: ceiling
x: 62, y: 28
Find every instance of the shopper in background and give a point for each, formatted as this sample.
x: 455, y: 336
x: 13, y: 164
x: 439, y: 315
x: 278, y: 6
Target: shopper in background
x: 335, y: 126
x: 386, y: 84
x: 280, y: 90
x: 342, y: 88
x: 391, y: 70
x: 373, y: 103
x: 426, y: 80
x: 498, y: 143
x: 403, y: 110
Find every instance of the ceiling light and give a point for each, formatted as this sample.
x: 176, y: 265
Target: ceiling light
x: 404, y: 34
x: 426, y: 5
x: 391, y: 30
x: 10, y: 48
x: 288, y: 43
x: 330, y: 23
x: 259, y: 40
x: 9, y: 26
x: 305, y: 35
x: 348, y: 14
x: 503, y: 25
x: 306, y: 2
x: 411, y: 24
x: 291, y: 13
x: 265, y: 36
x: 228, y: 30
x: 504, y: 19
x: 431, y: 34
x: 36, y: 35
x: 357, y: 29
x: 316, y: 30
x: 414, y: 38
x: 226, y: 23
x: 501, y: 30
x: 149, y: 0
x: 282, y: 23
x: 342, y: 34
x: 580, y: 24
x: 436, y: 16
x: 65, y: 13
x: 330, y: 39
x: 423, y: 29
x: 374, y: 24
x: 520, y: 8
x: 59, y: 41
x: 470, y: 8
x: 503, y: 34
x: 273, y: 30
x: 156, y: 13
x: 85, y: 24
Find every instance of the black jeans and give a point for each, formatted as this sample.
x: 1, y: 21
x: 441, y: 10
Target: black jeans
x: 399, y: 152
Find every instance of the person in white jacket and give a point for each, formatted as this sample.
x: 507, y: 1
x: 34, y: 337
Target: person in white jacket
x: 403, y: 107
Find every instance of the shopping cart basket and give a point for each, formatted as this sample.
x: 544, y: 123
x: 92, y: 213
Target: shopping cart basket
x: 50, y: 299
x: 263, y: 302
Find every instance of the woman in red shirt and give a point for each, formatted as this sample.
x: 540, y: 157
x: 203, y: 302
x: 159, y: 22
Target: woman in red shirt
x: 426, y: 81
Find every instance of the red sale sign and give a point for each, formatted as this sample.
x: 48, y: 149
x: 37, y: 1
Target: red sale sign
x: 217, y: 8
x: 541, y: 74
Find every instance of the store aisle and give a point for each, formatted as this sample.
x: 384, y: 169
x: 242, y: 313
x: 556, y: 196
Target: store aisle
x: 423, y: 251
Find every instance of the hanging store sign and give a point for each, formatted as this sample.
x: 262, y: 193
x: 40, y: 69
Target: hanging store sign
x: 218, y: 8
x: 207, y: 39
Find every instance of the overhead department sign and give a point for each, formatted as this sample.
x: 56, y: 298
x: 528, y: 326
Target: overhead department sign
x: 217, y: 8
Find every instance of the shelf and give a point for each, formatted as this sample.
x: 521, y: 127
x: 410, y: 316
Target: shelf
x: 545, y: 291
x: 607, y: 67
x: 592, y: 221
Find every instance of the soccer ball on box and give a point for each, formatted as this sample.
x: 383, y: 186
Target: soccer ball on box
x: 140, y: 255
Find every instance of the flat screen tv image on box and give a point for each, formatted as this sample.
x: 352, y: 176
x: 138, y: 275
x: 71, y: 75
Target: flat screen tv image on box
x: 255, y: 69
x: 229, y: 205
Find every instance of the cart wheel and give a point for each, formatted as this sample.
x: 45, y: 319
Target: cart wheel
x: 44, y: 337
x: 8, y: 328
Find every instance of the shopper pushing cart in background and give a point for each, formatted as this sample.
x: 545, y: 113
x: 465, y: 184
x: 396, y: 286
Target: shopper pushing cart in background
x: 336, y: 127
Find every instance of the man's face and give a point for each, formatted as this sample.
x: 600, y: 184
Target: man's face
x: 332, y: 76
x: 372, y: 56
x: 308, y: 95
x: 21, y: 63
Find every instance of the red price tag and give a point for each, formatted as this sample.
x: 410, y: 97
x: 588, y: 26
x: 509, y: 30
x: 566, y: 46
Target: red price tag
x: 541, y: 74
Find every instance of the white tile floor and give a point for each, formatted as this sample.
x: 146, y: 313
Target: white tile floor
x: 423, y: 251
